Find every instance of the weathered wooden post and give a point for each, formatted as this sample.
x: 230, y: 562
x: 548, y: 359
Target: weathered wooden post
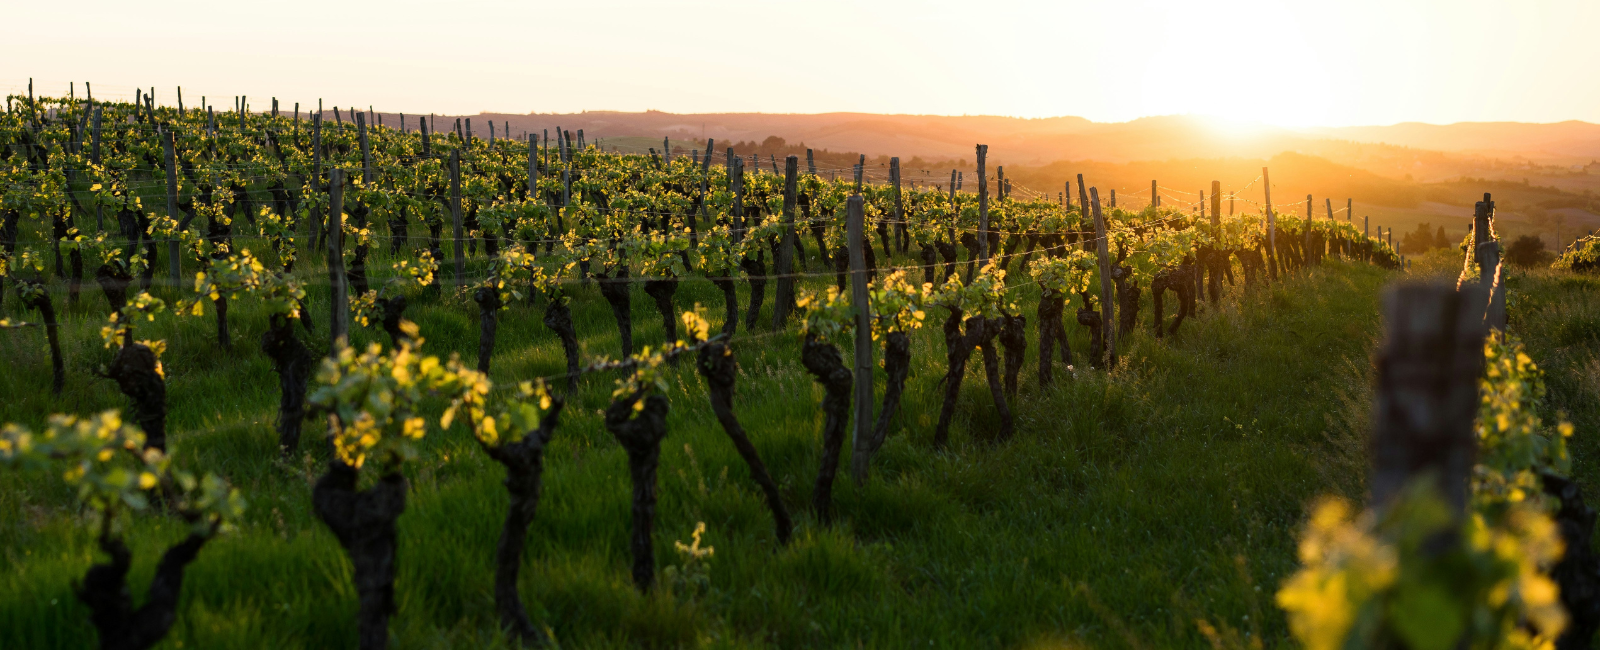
x: 903, y: 238
x: 1310, y: 256
x: 1427, y: 393
x: 339, y: 318
x: 1108, y: 301
x: 1489, y: 268
x: 784, y: 294
x: 811, y: 163
x: 94, y: 156
x: 1155, y: 197
x: 172, y: 206
x: 455, y: 212
x: 861, y: 437
x: 983, y: 207
x: 533, y: 167
x: 1272, y: 227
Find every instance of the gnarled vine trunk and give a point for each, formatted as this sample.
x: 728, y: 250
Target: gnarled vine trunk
x: 614, y: 288
x: 524, y: 463
x: 718, y: 367
x: 661, y: 290
x: 134, y: 370
x: 958, y: 347
x: 489, y: 304
x: 730, y: 303
x: 823, y: 361
x: 364, y: 523
x: 104, y: 591
x: 640, y: 433
x: 558, y: 317
x: 756, y: 273
x: 293, y: 363
x: 47, y: 311
x: 896, y: 365
x: 1051, y: 333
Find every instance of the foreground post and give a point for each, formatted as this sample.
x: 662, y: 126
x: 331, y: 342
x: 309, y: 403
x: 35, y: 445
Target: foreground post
x: 861, y: 437
x: 1427, y: 394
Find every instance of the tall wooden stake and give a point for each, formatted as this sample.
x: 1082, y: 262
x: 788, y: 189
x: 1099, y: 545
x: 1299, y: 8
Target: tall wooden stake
x: 1108, y: 300
x: 339, y: 323
x: 983, y: 207
x: 172, y: 206
x: 455, y: 213
x: 861, y: 438
x: 784, y: 294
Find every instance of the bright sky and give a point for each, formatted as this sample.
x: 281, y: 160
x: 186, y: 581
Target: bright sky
x: 1324, y: 62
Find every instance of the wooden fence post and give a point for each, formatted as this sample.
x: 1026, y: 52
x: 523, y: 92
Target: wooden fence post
x: 811, y: 163
x: 861, y: 438
x: 316, y: 171
x: 1108, y: 301
x: 1155, y: 197
x: 339, y: 317
x: 533, y: 166
x: 172, y: 205
x: 366, y: 151
x: 99, y: 211
x: 1272, y: 226
x: 736, y: 179
x: 1488, y: 256
x: 901, y: 235
x: 983, y: 207
x: 784, y: 294
x: 1427, y: 393
x: 1216, y: 208
x: 455, y: 212
x: 1310, y: 256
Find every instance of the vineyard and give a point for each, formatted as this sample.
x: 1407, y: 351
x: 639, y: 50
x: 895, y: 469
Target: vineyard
x: 270, y: 360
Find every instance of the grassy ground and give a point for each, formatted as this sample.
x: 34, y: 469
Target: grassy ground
x: 1127, y: 507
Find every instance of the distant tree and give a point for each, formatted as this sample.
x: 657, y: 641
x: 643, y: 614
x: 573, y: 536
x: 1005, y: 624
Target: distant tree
x: 773, y: 143
x: 1528, y: 251
x: 1421, y: 240
x: 1440, y: 240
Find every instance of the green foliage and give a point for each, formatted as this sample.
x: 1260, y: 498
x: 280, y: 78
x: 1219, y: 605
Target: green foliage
x: 1412, y: 576
x: 107, y: 464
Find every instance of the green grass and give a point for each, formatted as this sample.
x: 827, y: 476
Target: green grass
x: 1125, y: 508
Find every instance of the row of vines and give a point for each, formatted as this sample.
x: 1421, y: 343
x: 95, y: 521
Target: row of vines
x: 176, y: 213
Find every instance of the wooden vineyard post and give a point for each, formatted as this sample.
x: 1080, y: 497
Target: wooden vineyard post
x: 736, y: 179
x: 1083, y: 209
x: 339, y: 318
x: 1488, y: 255
x: 316, y: 171
x: 983, y: 208
x: 455, y: 212
x: 1155, y: 197
x: 811, y: 163
x: 1108, y: 302
x: 1427, y: 393
x: 172, y: 206
x: 366, y: 150
x: 899, y: 206
x: 1272, y: 227
x: 94, y: 155
x: 1305, y: 242
x: 784, y: 294
x: 1216, y: 208
x: 861, y: 437
x: 533, y: 166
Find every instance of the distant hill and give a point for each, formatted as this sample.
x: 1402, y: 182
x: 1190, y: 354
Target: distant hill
x: 1571, y: 141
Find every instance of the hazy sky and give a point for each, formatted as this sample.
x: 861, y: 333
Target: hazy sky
x: 1328, y: 62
